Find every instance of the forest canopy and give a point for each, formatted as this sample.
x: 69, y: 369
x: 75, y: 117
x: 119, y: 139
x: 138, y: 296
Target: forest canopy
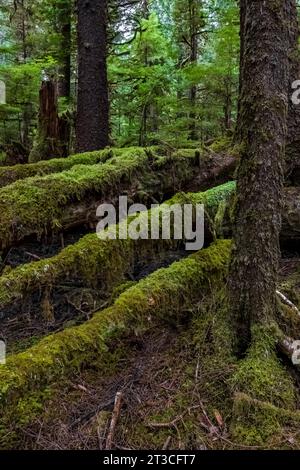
x: 172, y: 69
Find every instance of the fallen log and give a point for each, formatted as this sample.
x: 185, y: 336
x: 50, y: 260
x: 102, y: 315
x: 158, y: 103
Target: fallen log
x: 62, y: 201
x: 215, y: 168
x: 89, y: 259
x: 163, y: 296
x: 57, y: 202
x: 88, y: 262
x: 10, y: 174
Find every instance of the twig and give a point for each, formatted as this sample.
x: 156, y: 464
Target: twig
x: 167, y: 443
x: 32, y: 255
x: 286, y: 301
x: 172, y: 423
x: 114, y: 420
x: 87, y: 417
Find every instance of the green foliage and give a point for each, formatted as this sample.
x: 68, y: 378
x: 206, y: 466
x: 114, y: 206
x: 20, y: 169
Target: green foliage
x: 152, y: 69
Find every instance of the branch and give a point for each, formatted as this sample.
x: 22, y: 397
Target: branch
x: 114, y: 420
x: 286, y: 301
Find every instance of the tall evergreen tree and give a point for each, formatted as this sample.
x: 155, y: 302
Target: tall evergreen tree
x: 92, y: 121
x: 263, y: 115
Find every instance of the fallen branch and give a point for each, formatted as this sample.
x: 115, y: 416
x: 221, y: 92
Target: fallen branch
x: 287, y: 346
x: 287, y: 302
x: 114, y: 420
x: 176, y: 420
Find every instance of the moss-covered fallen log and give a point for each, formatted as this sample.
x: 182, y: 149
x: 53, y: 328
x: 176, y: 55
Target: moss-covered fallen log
x: 10, y: 174
x: 88, y: 262
x: 290, y: 230
x: 89, y: 259
x: 62, y: 200
x: 163, y: 296
x: 215, y: 168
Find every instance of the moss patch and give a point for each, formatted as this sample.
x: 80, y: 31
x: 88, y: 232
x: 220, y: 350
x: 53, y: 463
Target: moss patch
x: 162, y: 296
x: 10, y: 174
x: 258, y: 423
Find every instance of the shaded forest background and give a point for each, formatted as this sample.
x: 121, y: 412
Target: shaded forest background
x: 172, y: 71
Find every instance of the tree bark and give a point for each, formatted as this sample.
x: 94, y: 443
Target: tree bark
x: 51, y: 139
x: 263, y: 130
x: 293, y: 142
x: 194, y: 58
x: 65, y: 16
x: 237, y: 136
x: 92, y: 122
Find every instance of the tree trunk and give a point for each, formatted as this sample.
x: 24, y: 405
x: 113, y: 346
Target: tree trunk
x: 92, y: 122
x: 263, y: 130
x: 50, y: 141
x: 194, y: 59
x: 293, y: 142
x: 64, y: 84
x: 237, y: 136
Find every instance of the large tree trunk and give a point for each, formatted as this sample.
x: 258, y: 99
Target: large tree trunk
x: 237, y: 136
x: 263, y: 114
x: 65, y: 16
x: 293, y: 142
x: 194, y: 58
x: 92, y: 122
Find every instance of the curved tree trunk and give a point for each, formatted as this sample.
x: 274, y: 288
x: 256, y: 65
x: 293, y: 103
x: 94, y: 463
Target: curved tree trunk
x: 263, y: 120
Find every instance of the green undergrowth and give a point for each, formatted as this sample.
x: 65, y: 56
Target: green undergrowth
x: 36, y: 205
x: 223, y: 144
x: 226, y: 145
x: 163, y: 296
x: 90, y: 258
x: 205, y: 363
x: 253, y: 398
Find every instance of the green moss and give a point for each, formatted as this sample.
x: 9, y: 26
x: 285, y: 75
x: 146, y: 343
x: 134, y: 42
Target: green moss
x: 258, y: 423
x: 90, y: 258
x: 32, y: 205
x: 263, y: 378
x: 10, y: 174
x: 206, y: 361
x: 261, y: 374
x: 163, y: 295
x: 221, y: 145
x: 35, y: 205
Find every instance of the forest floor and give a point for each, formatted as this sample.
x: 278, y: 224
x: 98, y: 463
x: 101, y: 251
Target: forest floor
x: 171, y: 398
